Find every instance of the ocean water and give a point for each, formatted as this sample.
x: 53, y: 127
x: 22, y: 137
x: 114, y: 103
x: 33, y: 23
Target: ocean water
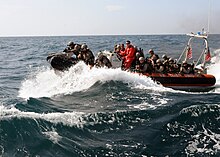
x: 102, y: 112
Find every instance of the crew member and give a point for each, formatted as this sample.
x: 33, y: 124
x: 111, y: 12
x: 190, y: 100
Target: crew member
x: 159, y: 67
x: 122, y: 47
x: 103, y: 61
x: 165, y: 62
x: 186, y: 68
x: 153, y: 57
x: 143, y: 66
x: 72, y: 51
x: 128, y: 56
x: 173, y: 67
x: 70, y: 46
x: 86, y: 55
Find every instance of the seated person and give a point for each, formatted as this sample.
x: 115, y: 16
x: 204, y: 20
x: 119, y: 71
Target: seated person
x: 72, y: 50
x: 70, y: 46
x: 117, y: 49
x: 201, y: 70
x: 173, y: 67
x: 159, y: 67
x: 103, y: 61
x: 186, y: 68
x: 139, y: 51
x: 154, y: 57
x: 143, y: 66
x: 165, y: 58
x: 86, y: 55
x: 75, y: 52
x: 166, y: 62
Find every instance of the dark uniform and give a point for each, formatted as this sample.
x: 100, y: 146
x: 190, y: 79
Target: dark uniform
x: 103, y: 61
x: 86, y: 55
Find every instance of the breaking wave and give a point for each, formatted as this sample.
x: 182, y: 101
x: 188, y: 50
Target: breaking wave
x: 46, y: 83
x: 214, y: 68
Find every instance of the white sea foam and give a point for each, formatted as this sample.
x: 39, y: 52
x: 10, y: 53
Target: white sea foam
x: 1, y: 150
x: 214, y: 68
x: 160, y: 101
x: 198, y: 110
x: 53, y: 136
x: 66, y: 118
x: 142, y: 106
x: 205, y: 141
x: 45, y: 83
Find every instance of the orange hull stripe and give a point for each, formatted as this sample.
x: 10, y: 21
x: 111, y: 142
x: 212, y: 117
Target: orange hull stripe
x: 190, y: 85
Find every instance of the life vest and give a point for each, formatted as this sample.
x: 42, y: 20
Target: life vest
x: 130, y: 52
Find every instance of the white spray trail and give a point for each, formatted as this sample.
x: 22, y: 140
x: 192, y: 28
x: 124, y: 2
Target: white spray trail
x: 214, y: 68
x: 45, y: 83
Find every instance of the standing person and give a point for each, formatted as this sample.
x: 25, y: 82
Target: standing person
x: 128, y: 56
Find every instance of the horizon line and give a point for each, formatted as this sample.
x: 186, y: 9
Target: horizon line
x: 78, y: 35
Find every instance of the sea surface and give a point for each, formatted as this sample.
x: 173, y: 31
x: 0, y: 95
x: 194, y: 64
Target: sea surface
x: 102, y: 112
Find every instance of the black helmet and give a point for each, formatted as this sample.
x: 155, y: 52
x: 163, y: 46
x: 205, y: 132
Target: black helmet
x: 158, y: 61
x: 151, y: 51
x: 141, y: 59
x: 118, y: 46
x: 164, y: 56
x: 84, y: 47
x: 184, y: 62
x: 138, y: 54
x: 171, y: 60
x: 77, y: 47
x: 70, y: 43
x: 128, y: 42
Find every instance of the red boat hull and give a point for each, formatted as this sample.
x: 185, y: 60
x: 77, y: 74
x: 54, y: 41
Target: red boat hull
x: 188, y: 82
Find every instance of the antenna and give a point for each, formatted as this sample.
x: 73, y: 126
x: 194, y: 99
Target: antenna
x: 209, y: 14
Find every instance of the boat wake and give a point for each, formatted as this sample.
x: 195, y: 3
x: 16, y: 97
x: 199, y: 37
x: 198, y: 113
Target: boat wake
x: 46, y: 83
x: 214, y: 69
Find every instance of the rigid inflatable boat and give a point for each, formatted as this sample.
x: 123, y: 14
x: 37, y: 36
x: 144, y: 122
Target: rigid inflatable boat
x: 199, y: 81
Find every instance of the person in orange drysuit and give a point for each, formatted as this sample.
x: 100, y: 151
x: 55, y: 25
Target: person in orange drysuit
x: 128, y: 56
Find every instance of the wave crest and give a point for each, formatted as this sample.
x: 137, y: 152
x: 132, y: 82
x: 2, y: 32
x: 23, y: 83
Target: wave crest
x: 47, y: 83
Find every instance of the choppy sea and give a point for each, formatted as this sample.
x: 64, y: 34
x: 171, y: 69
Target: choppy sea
x: 102, y: 112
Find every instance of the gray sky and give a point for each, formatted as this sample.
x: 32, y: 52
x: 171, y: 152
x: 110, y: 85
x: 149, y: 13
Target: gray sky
x: 107, y: 17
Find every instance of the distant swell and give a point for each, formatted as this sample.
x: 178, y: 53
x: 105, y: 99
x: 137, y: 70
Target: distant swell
x: 67, y: 118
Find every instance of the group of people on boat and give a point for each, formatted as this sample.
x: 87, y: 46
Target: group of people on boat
x: 165, y: 70
x: 133, y: 59
x: 77, y: 52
